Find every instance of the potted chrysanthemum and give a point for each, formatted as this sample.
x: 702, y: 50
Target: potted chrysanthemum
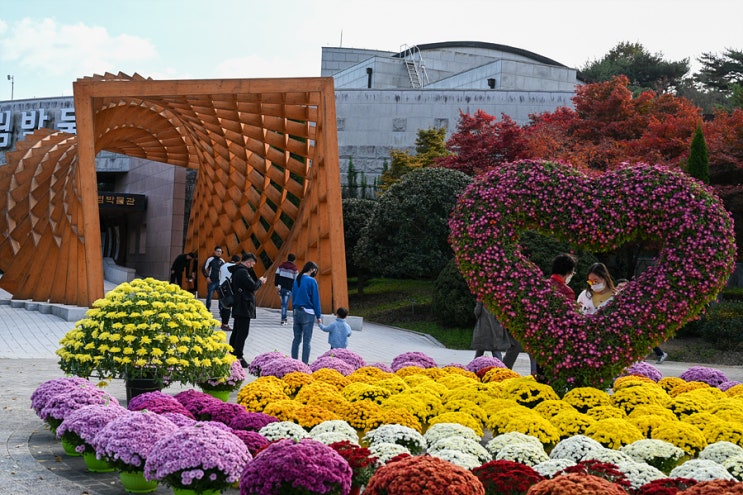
x: 198, y: 459
x: 297, y: 466
x: 222, y: 387
x: 126, y: 442
x: 147, y: 329
x: 80, y: 427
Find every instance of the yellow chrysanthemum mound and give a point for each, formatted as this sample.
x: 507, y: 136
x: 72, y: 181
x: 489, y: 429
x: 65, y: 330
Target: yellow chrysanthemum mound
x: 147, y: 328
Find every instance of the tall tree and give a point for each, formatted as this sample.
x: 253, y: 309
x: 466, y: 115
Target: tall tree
x: 429, y: 145
x: 352, y: 181
x: 720, y: 72
x: 481, y: 143
x: 698, y: 159
x: 643, y: 69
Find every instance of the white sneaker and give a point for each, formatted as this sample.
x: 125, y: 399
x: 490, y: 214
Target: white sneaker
x: 661, y: 358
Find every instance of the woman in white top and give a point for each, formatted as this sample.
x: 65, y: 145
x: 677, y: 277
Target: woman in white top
x: 600, y: 290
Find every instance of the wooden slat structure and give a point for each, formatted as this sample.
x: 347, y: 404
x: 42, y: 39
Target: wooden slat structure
x: 266, y: 151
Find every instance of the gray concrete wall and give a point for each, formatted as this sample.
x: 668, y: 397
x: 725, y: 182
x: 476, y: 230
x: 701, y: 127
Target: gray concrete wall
x: 371, y: 123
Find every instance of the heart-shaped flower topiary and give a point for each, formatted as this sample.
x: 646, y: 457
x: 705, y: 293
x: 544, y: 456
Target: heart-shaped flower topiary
x: 600, y: 214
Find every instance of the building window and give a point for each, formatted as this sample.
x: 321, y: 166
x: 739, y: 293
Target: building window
x: 399, y: 125
x: 441, y: 123
x: 340, y: 124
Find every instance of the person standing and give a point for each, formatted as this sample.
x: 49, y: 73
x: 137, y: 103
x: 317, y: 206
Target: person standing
x: 563, y: 269
x: 181, y: 264
x: 224, y: 275
x: 600, y: 289
x: 211, y: 272
x: 284, y: 280
x: 306, y: 308
x: 489, y: 334
x: 245, y: 284
x: 339, y: 330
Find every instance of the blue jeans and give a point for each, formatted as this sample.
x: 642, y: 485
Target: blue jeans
x: 303, y: 325
x: 211, y: 288
x: 284, y: 295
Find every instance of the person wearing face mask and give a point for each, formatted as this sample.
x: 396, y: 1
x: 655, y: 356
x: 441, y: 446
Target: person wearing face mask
x: 306, y: 309
x: 600, y: 289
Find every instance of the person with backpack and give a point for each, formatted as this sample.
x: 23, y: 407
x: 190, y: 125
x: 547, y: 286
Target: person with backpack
x: 211, y: 271
x: 224, y: 275
x: 284, y: 280
x: 245, y: 283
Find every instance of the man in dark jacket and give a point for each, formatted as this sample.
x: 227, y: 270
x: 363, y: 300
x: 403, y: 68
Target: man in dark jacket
x: 181, y: 264
x: 284, y: 280
x: 245, y: 283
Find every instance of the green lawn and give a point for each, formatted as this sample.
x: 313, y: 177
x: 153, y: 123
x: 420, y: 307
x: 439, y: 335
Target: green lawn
x: 404, y: 304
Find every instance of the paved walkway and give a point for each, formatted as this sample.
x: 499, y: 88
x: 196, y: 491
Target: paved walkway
x: 30, y: 459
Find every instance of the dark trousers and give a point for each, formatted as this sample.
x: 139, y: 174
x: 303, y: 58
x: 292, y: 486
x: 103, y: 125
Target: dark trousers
x: 224, y: 314
x: 658, y: 351
x: 240, y: 332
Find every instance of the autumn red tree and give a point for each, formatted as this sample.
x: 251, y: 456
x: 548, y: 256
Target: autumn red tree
x: 481, y: 143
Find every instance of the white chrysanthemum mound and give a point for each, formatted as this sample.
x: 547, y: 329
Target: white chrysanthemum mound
x: 648, y: 450
x: 701, y: 470
x: 719, y: 451
x: 639, y: 473
x: 334, y: 430
x: 498, y: 442
x: 384, y: 451
x: 607, y: 455
x: 575, y: 448
x: 441, y: 430
x: 461, y: 459
x: 283, y: 429
x: 463, y: 445
x: 734, y: 466
x: 399, y: 434
x: 525, y: 453
x: 551, y: 467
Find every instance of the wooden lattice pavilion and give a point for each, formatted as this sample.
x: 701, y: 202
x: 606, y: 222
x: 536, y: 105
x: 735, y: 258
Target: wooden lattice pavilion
x: 266, y: 151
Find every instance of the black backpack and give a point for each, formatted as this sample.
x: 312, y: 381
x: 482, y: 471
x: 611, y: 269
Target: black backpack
x: 226, y: 293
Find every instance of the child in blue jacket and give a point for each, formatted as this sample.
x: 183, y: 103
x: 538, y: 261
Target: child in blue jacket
x: 338, y: 331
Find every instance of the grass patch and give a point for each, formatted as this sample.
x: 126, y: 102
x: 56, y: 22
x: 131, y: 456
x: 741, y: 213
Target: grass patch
x: 404, y: 304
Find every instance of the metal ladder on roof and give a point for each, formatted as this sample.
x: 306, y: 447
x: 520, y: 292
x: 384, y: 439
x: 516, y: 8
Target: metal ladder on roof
x: 414, y: 64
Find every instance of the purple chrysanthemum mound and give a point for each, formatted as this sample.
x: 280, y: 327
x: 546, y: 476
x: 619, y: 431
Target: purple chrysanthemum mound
x: 196, y: 402
x: 253, y: 440
x: 412, y: 359
x: 641, y: 368
x: 304, y: 465
x: 346, y: 355
x: 710, y: 376
x: 201, y: 456
x: 724, y: 386
x: 62, y: 404
x: 251, y: 421
x: 255, y: 366
x: 484, y: 362
x: 87, y: 421
x: 158, y: 402
x: 282, y: 366
x: 50, y: 388
x: 332, y: 363
x: 126, y: 441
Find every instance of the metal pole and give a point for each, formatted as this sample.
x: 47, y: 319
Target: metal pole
x: 12, y: 85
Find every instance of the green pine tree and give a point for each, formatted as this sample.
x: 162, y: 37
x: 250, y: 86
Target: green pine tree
x: 352, y: 180
x: 698, y: 166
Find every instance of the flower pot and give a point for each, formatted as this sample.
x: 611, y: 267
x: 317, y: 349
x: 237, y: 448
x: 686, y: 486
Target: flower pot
x: 223, y: 395
x: 137, y: 386
x: 134, y: 482
x: 188, y: 491
x: 96, y: 465
x: 355, y: 490
x: 69, y: 449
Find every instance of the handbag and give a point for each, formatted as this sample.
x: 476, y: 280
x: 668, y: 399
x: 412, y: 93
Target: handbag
x: 226, y: 293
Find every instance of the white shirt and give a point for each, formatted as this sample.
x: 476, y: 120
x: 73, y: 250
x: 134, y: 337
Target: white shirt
x: 586, y: 303
x: 224, y: 273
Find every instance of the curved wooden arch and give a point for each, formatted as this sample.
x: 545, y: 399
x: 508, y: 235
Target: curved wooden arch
x: 268, y: 179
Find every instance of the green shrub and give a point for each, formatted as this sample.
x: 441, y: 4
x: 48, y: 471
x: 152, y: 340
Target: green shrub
x: 453, y: 303
x: 723, y: 325
x: 356, y: 212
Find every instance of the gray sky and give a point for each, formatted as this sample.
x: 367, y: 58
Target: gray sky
x: 47, y: 44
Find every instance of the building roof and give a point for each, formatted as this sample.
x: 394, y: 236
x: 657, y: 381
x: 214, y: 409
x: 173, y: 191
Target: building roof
x: 487, y: 46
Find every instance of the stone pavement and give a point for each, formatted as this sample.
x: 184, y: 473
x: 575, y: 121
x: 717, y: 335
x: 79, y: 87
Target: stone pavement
x: 30, y: 459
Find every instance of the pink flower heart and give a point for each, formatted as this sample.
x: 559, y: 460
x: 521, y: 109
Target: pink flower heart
x: 640, y: 202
